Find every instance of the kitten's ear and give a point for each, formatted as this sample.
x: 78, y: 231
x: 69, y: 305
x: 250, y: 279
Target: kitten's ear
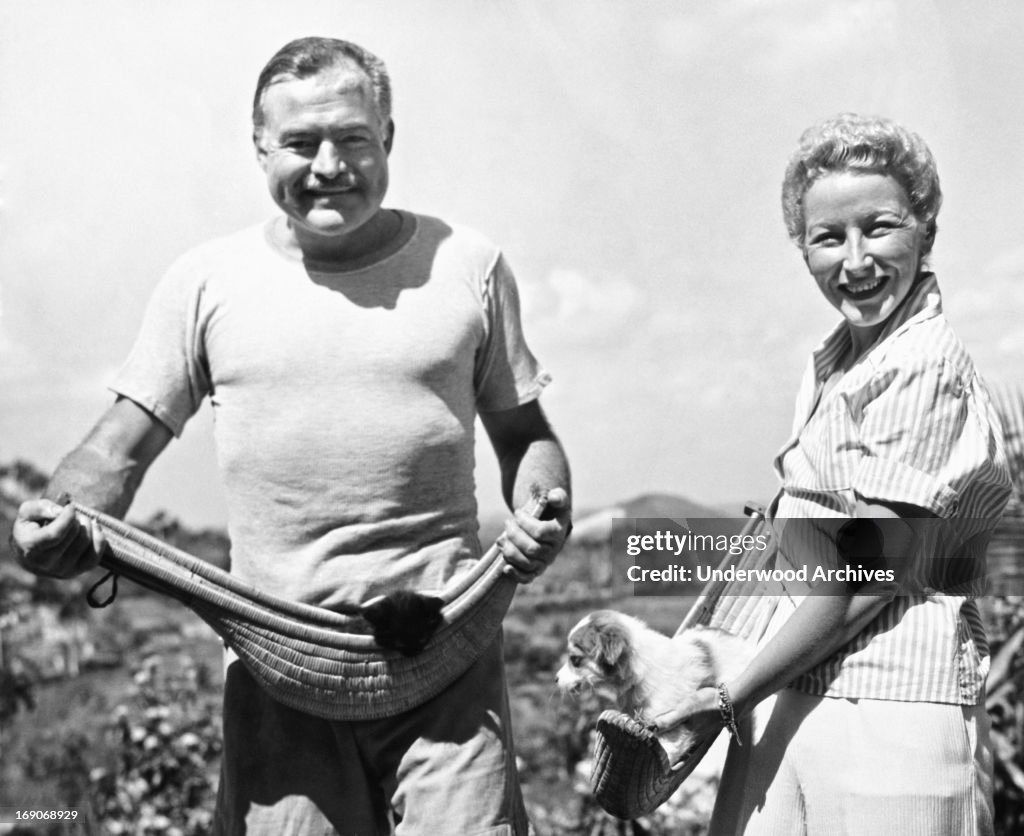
x: 404, y: 621
x: 612, y: 645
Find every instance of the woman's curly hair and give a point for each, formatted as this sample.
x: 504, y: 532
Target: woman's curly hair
x: 869, y: 144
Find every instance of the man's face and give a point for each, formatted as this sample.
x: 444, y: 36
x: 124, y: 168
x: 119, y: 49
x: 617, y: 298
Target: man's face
x: 325, y: 152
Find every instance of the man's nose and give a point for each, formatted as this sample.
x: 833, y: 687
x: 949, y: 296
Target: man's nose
x: 328, y: 162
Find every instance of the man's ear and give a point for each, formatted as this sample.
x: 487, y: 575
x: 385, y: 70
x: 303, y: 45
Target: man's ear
x: 261, y: 152
x: 389, y: 135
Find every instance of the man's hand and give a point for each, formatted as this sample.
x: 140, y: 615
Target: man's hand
x: 530, y: 457
x: 102, y: 472
x: 530, y: 545
x: 49, y: 539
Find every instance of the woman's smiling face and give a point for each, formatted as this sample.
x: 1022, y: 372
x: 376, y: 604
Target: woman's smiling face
x: 863, y: 245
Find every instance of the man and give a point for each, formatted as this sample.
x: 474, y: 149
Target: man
x: 346, y: 349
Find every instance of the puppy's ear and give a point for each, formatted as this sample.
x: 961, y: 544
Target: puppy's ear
x: 612, y: 645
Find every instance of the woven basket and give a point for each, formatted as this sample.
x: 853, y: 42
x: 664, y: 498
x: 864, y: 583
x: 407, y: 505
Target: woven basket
x: 631, y: 775
x: 309, y: 658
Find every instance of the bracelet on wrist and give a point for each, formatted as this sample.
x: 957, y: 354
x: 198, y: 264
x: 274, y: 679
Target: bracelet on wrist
x: 725, y: 708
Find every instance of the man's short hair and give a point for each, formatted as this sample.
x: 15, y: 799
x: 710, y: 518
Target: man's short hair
x: 867, y: 144
x: 307, y: 57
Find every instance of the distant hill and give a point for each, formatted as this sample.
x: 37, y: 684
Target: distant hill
x: 667, y: 505
x: 596, y: 526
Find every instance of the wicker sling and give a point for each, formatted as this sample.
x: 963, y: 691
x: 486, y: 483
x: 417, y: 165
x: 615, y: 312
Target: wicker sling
x: 631, y: 775
x: 310, y: 658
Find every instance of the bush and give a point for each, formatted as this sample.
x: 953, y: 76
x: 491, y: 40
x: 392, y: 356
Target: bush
x: 168, y: 740
x: 150, y: 768
x: 1005, y: 705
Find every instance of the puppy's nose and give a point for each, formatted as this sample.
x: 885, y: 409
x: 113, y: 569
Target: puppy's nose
x: 568, y: 682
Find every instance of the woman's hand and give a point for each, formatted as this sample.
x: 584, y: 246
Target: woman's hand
x: 700, y: 715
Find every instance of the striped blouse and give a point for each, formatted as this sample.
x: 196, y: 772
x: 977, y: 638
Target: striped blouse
x: 910, y: 422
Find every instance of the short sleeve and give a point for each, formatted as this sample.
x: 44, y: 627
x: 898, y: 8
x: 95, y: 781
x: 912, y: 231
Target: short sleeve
x: 506, y: 374
x: 920, y: 436
x: 166, y: 371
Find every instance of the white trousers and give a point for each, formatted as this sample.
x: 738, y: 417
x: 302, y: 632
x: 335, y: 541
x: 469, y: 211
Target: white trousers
x: 823, y: 766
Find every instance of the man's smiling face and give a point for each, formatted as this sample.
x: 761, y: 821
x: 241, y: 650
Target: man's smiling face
x: 324, y: 150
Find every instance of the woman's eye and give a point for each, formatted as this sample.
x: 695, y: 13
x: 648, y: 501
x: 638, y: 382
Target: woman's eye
x: 880, y: 228
x: 824, y: 239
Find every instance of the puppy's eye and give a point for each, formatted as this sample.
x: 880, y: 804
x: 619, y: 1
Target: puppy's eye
x: 575, y: 659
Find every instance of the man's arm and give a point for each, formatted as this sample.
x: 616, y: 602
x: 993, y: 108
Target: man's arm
x: 103, y: 472
x: 530, y: 456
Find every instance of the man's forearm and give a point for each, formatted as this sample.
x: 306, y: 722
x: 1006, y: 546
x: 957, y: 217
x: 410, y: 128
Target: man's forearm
x: 106, y: 469
x: 531, y: 458
x: 539, y: 464
x: 89, y: 476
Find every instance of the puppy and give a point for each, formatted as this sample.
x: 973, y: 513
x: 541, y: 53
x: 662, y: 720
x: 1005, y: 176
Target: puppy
x: 646, y: 673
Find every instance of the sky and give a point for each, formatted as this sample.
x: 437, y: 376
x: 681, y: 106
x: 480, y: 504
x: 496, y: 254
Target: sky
x: 627, y: 157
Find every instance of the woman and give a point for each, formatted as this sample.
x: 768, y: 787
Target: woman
x: 878, y: 724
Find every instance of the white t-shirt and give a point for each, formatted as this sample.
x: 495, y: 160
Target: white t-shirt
x: 344, y: 402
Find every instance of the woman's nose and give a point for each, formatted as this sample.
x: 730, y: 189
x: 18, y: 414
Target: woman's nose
x: 857, y: 258
x: 327, y: 163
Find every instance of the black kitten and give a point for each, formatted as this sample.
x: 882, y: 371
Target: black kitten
x: 404, y: 620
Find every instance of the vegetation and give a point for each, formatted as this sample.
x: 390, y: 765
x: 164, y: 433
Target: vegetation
x: 129, y: 737
x: 1005, y: 705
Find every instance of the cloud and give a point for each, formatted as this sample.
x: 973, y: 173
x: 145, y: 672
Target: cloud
x: 986, y: 314
x: 685, y: 37
x: 30, y: 382
x: 1008, y: 267
x: 997, y: 292
x: 780, y: 39
x: 17, y: 364
x: 581, y: 307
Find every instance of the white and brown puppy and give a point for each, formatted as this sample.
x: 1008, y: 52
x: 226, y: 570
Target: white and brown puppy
x: 648, y: 675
